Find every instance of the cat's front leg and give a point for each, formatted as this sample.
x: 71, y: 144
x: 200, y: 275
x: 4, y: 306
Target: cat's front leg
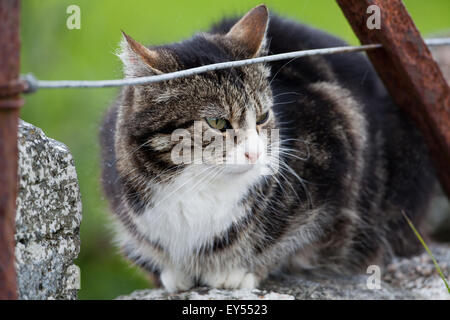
x: 175, y: 280
x: 230, y: 279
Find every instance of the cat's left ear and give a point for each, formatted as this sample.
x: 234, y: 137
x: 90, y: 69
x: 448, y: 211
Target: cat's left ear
x: 250, y: 31
x: 139, y: 60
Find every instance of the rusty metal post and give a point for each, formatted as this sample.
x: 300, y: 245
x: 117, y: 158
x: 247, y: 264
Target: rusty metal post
x: 10, y: 104
x: 409, y: 73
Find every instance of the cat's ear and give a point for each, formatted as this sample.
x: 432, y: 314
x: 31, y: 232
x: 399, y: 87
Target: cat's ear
x: 250, y: 31
x: 137, y: 59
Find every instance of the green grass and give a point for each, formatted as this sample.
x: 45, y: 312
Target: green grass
x: 436, y: 265
x: 72, y: 116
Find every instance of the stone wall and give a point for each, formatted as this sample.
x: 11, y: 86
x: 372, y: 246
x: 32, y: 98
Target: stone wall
x: 414, y: 278
x: 48, y: 218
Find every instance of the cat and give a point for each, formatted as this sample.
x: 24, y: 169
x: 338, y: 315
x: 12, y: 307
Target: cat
x: 325, y: 196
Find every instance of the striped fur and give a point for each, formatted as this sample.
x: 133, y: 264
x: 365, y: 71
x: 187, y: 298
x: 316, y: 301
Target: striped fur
x: 350, y: 163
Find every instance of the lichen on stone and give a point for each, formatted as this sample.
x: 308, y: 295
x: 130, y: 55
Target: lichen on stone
x: 48, y: 218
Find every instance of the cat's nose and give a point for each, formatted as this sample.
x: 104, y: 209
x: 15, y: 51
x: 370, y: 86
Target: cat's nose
x: 252, y: 156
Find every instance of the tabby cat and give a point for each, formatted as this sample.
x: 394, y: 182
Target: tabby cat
x: 321, y: 191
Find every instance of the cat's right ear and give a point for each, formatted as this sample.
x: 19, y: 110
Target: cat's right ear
x: 137, y: 59
x: 250, y: 31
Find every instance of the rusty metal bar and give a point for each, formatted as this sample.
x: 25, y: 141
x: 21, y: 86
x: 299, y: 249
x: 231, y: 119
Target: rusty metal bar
x: 409, y: 73
x: 10, y: 103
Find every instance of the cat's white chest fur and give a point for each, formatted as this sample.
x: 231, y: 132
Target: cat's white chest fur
x: 191, y: 211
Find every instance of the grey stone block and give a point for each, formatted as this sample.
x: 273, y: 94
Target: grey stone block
x: 414, y: 278
x: 47, y: 219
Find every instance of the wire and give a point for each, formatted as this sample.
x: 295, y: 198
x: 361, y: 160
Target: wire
x: 34, y: 84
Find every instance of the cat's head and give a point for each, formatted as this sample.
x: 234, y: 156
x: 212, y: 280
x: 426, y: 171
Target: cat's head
x: 174, y: 125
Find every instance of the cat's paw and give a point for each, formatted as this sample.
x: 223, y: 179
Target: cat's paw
x: 232, y: 279
x: 174, y: 281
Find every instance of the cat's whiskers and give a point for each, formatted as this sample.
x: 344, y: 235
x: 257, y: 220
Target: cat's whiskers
x: 268, y: 205
x: 212, y: 175
x: 167, y: 178
x: 283, y: 166
x: 189, y: 180
x: 135, y: 177
x: 281, y: 185
x: 301, y: 180
x: 141, y: 180
x: 285, y: 93
x: 282, y: 175
x: 284, y: 152
x: 149, y: 185
x: 132, y: 152
x: 305, y: 142
x: 284, y: 102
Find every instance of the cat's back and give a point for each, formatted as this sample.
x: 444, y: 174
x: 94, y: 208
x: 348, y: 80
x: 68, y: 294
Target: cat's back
x: 351, y: 70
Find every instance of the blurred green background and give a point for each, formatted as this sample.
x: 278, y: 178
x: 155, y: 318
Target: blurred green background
x: 53, y: 52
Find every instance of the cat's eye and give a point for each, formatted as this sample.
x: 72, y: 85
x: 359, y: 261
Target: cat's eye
x: 219, y: 123
x: 262, y: 118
